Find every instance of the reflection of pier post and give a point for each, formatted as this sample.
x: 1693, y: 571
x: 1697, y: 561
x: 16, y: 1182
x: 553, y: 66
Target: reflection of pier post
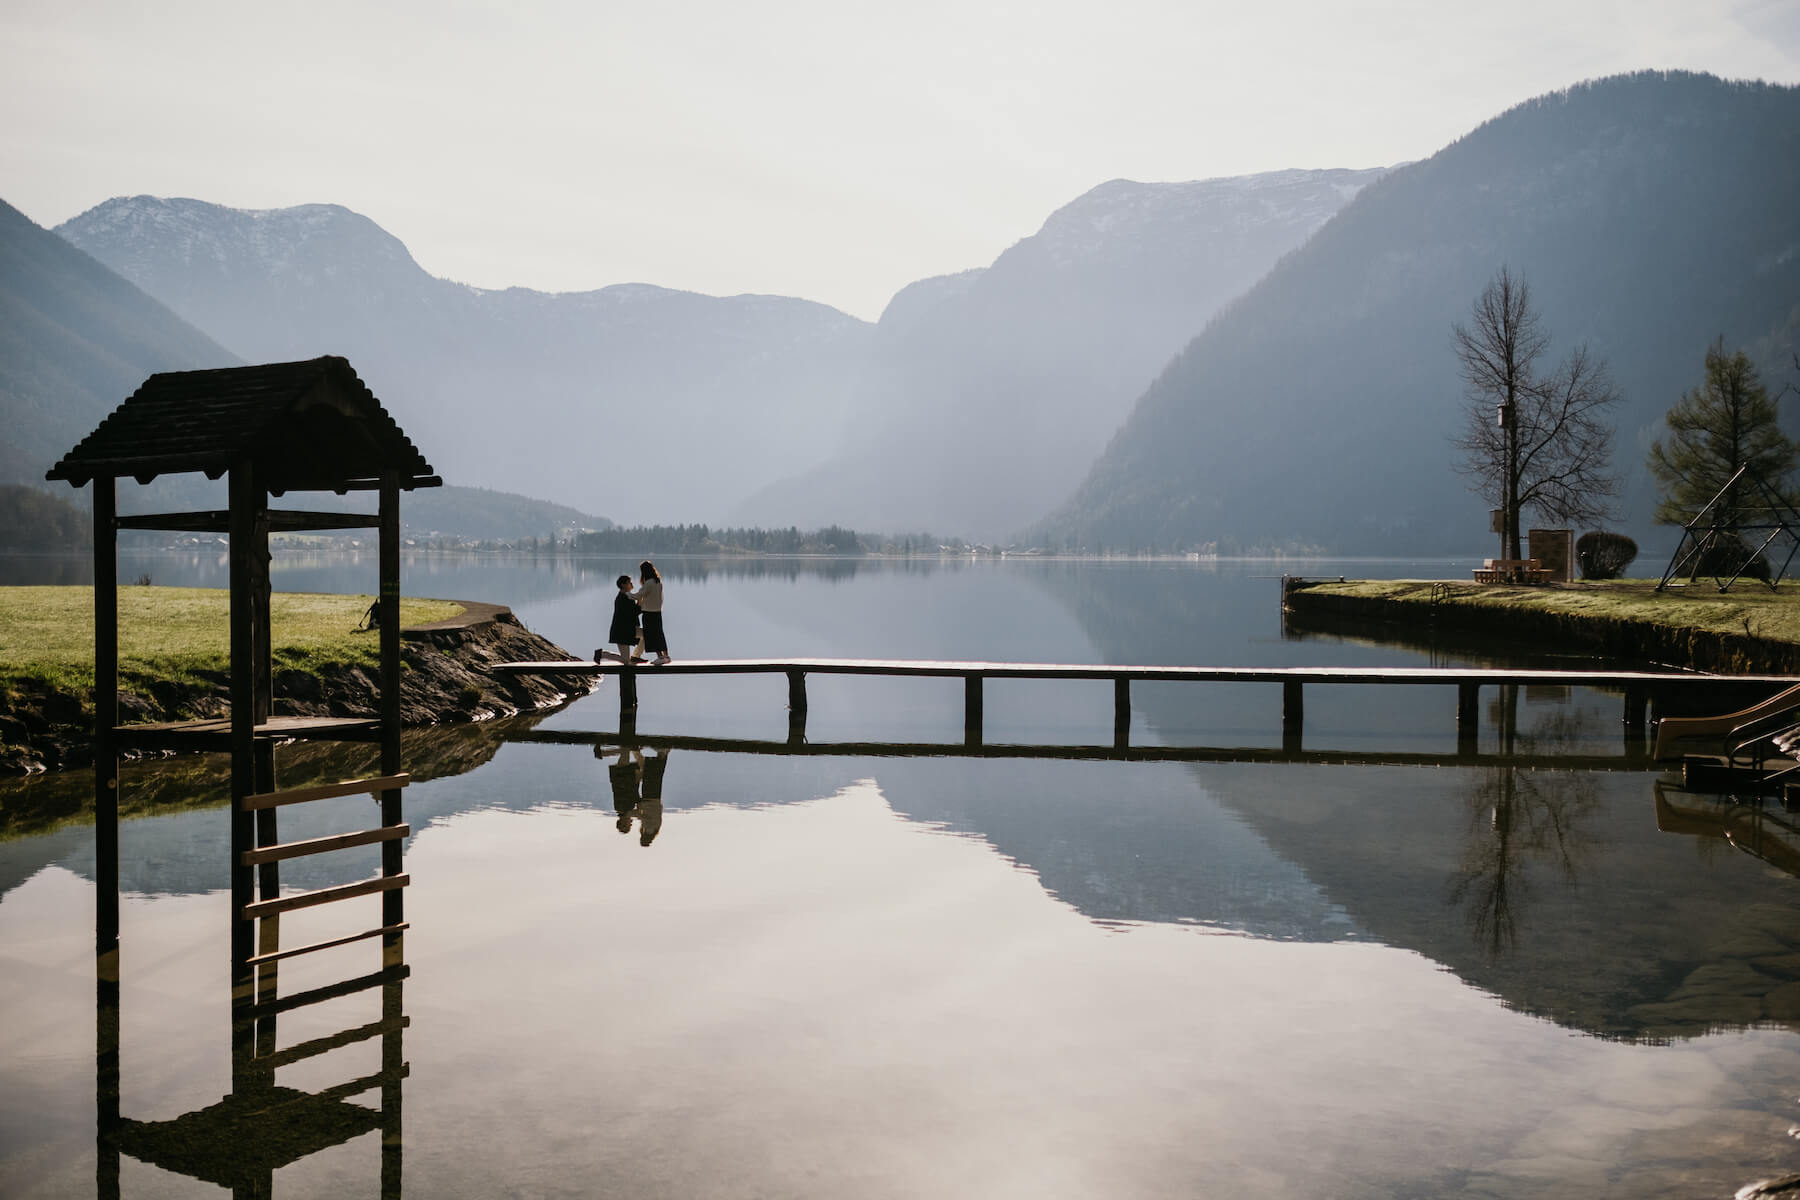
x: 106, y: 1073
x: 1293, y: 714
x: 1636, y: 723
x: 1635, y: 727
x: 393, y: 1070
x: 1468, y: 717
x: 796, y: 706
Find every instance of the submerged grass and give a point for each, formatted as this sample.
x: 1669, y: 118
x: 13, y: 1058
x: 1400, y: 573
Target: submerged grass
x: 1750, y: 608
x: 47, y: 633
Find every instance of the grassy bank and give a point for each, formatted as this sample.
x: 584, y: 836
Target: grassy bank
x: 47, y: 633
x: 1748, y: 609
x: 1748, y: 630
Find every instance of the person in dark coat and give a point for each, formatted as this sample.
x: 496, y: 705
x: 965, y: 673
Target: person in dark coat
x: 624, y: 630
x: 624, y: 776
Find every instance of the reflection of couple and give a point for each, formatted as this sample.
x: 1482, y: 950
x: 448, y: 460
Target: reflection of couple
x: 632, y: 772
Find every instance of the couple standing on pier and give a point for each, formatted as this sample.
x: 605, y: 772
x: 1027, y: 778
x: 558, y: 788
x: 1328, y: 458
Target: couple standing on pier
x: 627, y: 606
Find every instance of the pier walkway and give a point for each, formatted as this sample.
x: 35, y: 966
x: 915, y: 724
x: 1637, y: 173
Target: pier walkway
x: 1639, y: 688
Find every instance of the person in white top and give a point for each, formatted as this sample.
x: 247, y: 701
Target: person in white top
x: 650, y: 599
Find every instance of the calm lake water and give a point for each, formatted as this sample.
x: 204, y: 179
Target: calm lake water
x: 938, y: 976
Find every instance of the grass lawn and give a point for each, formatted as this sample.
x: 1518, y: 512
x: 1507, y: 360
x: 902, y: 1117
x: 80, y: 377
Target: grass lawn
x: 1749, y: 607
x: 47, y: 633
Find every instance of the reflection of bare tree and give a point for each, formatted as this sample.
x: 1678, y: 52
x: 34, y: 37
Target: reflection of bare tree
x: 1521, y: 818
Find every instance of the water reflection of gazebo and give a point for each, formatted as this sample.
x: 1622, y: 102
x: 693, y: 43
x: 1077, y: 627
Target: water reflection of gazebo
x: 268, y: 430
x: 260, y: 1126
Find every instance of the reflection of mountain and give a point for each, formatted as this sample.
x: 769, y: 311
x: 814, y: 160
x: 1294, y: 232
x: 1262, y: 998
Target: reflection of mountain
x: 1552, y: 889
x: 1121, y: 842
x: 1598, y: 947
x: 1608, y: 925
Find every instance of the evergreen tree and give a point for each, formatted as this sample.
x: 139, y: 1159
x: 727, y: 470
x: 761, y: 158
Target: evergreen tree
x: 1726, y: 422
x: 33, y: 519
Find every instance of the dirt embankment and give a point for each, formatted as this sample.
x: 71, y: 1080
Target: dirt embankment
x: 444, y: 679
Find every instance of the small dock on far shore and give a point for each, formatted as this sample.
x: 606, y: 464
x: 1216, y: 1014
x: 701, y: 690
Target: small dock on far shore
x: 1639, y: 688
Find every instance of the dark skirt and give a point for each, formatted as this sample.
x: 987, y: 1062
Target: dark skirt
x: 654, y: 642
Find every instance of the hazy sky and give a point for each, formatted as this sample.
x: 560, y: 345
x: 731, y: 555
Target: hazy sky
x: 832, y: 149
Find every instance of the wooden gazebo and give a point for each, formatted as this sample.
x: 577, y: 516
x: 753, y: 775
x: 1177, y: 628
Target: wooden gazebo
x: 269, y: 430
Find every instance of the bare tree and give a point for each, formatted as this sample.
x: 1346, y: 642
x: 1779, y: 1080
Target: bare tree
x: 1534, y: 439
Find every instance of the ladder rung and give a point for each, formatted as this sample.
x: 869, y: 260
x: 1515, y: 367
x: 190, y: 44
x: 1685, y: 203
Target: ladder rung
x: 318, y: 995
x: 281, y: 904
x: 319, y: 845
x: 317, y: 1046
x: 367, y: 1083
x: 276, y: 955
x: 325, y: 791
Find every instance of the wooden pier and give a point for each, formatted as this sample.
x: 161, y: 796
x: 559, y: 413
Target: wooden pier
x: 1639, y: 688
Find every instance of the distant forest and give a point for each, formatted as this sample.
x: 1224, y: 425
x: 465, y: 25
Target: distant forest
x: 700, y: 539
x: 34, y: 520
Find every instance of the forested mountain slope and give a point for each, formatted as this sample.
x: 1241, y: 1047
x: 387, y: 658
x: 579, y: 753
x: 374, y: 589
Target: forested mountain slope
x: 990, y: 392
x: 75, y: 340
x: 1649, y: 213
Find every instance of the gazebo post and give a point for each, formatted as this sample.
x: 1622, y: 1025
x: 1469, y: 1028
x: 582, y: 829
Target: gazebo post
x: 267, y: 930
x: 393, y: 904
x: 243, y: 494
x: 106, y: 713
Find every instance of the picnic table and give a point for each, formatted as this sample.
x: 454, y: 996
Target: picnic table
x: 1512, y: 570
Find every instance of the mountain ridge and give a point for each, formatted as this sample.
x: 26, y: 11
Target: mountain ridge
x: 518, y: 390
x: 991, y: 390
x: 1335, y: 369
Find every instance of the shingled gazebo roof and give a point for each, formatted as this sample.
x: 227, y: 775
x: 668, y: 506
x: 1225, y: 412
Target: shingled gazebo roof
x: 305, y: 426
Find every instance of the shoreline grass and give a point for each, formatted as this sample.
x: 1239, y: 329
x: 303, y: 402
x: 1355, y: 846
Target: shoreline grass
x: 47, y: 633
x: 1749, y: 609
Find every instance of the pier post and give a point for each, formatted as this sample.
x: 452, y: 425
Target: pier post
x: 972, y: 710
x: 1121, y: 713
x: 393, y: 1071
x: 1293, y: 713
x: 1468, y: 717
